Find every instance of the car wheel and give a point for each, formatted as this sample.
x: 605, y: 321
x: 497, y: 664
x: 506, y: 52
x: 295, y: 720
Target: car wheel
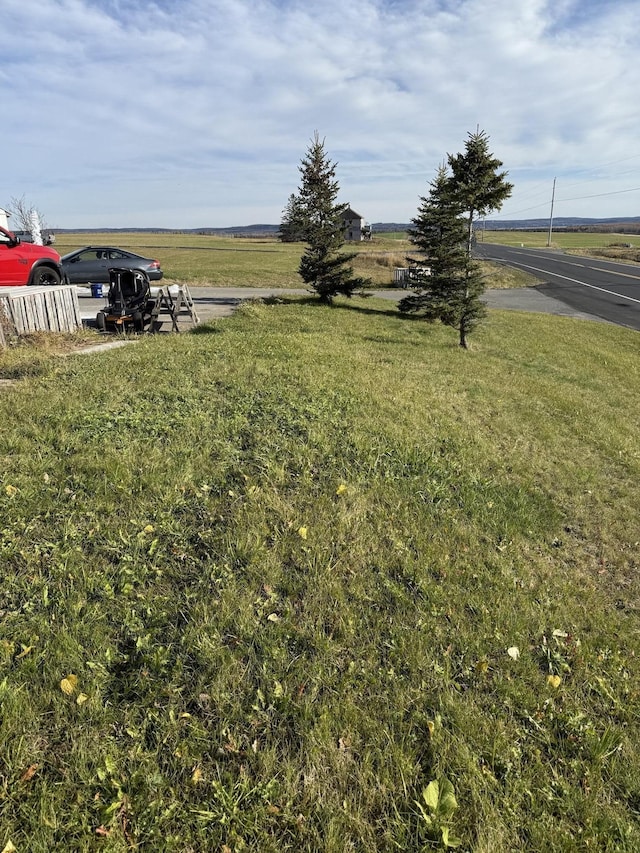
x: 45, y: 277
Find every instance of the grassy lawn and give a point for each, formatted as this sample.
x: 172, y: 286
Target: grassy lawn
x: 240, y: 262
x: 263, y: 583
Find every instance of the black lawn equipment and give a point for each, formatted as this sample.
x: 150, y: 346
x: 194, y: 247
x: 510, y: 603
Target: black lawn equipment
x: 130, y: 304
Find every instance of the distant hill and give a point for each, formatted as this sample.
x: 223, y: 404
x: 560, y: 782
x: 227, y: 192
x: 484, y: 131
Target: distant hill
x: 572, y: 222
x: 627, y: 224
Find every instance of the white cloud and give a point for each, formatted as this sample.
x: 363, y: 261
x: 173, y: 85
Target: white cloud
x: 197, y: 112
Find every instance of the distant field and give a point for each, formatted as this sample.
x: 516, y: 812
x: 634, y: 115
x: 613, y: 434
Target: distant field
x: 200, y: 259
x: 559, y: 239
x: 239, y: 261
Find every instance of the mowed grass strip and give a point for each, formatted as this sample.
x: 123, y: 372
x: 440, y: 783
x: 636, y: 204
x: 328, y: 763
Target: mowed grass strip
x: 263, y: 583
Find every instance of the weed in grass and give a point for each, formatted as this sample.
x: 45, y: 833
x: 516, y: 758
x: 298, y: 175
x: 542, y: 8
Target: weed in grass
x: 437, y: 807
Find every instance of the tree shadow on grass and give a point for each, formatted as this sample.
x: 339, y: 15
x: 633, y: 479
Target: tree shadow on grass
x: 354, y: 304
x: 379, y: 312
x: 206, y: 328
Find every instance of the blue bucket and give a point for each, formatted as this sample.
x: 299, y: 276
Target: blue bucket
x: 96, y: 291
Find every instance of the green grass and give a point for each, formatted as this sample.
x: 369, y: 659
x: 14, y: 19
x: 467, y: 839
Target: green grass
x: 240, y: 262
x: 199, y: 259
x: 571, y: 240
x: 277, y: 566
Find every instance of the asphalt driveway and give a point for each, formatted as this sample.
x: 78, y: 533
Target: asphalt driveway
x: 212, y: 302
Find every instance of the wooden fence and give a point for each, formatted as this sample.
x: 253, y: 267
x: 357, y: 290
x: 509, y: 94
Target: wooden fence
x: 41, y: 309
x: 403, y: 276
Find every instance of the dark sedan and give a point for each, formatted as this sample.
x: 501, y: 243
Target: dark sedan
x: 92, y: 264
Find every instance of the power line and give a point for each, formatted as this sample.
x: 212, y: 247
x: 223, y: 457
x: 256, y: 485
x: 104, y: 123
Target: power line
x: 574, y: 198
x: 598, y: 195
x: 522, y: 210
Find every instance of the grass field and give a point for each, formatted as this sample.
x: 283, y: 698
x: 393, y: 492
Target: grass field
x: 238, y: 262
x: 266, y: 583
x: 199, y: 259
x: 570, y: 240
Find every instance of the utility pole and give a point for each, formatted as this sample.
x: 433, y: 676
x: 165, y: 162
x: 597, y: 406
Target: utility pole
x: 553, y: 195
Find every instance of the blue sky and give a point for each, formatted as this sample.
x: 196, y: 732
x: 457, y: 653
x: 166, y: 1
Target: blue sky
x: 189, y: 113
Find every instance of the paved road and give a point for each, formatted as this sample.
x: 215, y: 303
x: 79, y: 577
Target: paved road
x: 211, y: 302
x: 604, y: 289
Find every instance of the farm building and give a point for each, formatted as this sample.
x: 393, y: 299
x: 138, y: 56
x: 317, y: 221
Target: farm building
x: 355, y: 228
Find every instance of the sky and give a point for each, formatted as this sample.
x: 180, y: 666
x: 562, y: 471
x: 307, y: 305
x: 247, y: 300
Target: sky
x: 197, y: 113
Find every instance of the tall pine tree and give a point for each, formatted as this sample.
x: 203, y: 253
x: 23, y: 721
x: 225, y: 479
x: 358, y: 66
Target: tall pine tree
x: 479, y: 186
x: 443, y: 233
x: 323, y: 267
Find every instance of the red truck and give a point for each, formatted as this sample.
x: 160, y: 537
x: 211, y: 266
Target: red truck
x: 25, y: 263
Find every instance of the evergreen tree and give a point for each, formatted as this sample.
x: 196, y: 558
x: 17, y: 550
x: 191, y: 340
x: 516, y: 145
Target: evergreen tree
x: 292, y: 224
x: 479, y: 186
x: 438, y: 233
x: 323, y: 266
x: 443, y: 232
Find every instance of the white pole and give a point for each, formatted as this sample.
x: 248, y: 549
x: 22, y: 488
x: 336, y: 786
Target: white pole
x: 553, y: 195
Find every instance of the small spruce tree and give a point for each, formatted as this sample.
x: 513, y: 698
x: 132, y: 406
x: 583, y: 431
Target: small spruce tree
x: 438, y: 234
x: 292, y: 223
x: 479, y: 186
x: 323, y: 267
x: 443, y: 232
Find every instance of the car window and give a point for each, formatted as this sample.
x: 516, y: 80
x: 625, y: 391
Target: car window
x: 118, y: 256
x: 90, y: 255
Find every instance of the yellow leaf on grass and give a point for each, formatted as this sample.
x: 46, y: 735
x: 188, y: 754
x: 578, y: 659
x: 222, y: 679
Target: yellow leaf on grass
x: 11, y: 491
x: 9, y: 847
x: 25, y: 651
x: 81, y: 699
x: 342, y: 488
x: 68, y: 685
x: 196, y: 776
x: 554, y: 680
x: 149, y: 528
x: 29, y: 773
x: 302, y: 532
